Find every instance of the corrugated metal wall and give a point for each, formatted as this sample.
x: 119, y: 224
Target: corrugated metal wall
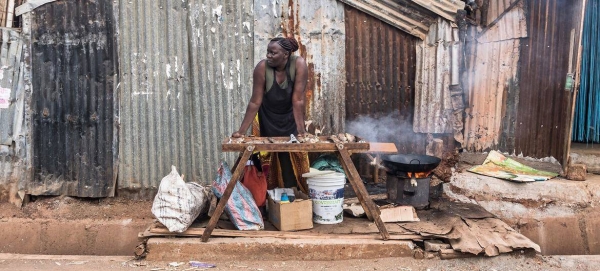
x: 433, y: 103
x: 380, y: 70
x: 185, y: 71
x: 492, y: 69
x: 541, y: 122
x: 73, y: 69
x: 12, y: 132
x: 497, y: 8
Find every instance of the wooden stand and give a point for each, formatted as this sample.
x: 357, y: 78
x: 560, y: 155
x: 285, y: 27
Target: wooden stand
x: 280, y: 144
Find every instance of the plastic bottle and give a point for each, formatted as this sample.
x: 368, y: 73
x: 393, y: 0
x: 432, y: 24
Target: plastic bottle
x: 284, y: 198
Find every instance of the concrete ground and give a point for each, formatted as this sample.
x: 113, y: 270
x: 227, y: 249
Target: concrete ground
x: 70, y: 226
x: 588, y: 154
x: 500, y: 263
x: 562, y: 216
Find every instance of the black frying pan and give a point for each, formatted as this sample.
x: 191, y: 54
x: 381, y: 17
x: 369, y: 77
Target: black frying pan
x: 410, y: 162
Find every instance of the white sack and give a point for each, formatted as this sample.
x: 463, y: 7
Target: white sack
x: 177, y: 203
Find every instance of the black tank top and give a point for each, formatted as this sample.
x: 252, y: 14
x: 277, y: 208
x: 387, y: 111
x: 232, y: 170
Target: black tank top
x: 276, y: 116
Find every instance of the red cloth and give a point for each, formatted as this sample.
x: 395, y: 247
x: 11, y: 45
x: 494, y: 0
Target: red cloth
x: 256, y: 182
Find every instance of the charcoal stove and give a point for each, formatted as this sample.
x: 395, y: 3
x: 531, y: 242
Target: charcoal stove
x: 408, y: 178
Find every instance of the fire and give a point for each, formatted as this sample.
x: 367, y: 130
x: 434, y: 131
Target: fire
x: 419, y: 175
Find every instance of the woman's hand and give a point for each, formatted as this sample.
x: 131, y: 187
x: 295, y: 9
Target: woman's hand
x: 303, y: 133
x: 237, y: 135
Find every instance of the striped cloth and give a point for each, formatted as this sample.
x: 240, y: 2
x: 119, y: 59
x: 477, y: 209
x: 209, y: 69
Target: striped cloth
x: 240, y: 208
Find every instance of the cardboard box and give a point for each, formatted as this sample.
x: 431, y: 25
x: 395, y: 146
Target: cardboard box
x: 291, y: 216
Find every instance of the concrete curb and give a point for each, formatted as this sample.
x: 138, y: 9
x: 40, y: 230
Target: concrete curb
x: 186, y: 249
x: 70, y: 237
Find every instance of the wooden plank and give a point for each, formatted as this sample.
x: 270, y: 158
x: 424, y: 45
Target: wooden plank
x: 195, y: 232
x: 449, y: 254
x: 295, y: 147
x: 239, y: 167
x: 371, y: 210
x: 383, y: 148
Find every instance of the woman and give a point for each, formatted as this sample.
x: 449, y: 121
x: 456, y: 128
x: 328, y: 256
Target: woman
x: 278, y: 98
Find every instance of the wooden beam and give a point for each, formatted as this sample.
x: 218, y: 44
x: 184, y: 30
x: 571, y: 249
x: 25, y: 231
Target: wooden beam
x: 280, y: 144
x: 194, y: 232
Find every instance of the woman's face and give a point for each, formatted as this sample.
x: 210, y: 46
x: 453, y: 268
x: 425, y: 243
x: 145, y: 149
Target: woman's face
x: 276, y: 56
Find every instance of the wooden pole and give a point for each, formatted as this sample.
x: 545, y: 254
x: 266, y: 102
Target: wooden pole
x: 10, y: 13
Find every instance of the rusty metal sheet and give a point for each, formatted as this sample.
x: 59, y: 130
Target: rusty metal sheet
x: 444, y: 8
x: 433, y: 105
x: 380, y: 74
x: 319, y: 28
x: 492, y: 73
x: 73, y: 108
x: 511, y: 25
x: 493, y: 82
x: 542, y: 122
x: 400, y: 14
x: 497, y: 8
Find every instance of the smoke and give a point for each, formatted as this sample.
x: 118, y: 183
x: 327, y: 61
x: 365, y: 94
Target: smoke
x: 389, y: 128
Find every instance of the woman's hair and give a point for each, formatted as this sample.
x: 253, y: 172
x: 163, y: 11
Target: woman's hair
x: 289, y: 44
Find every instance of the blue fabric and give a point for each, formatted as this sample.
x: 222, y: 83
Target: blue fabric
x: 586, y: 122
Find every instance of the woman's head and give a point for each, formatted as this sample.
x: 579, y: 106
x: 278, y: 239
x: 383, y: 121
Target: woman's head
x: 279, y: 50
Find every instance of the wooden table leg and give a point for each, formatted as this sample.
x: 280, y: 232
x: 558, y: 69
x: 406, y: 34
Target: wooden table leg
x: 237, y: 173
x: 376, y: 169
x: 368, y: 205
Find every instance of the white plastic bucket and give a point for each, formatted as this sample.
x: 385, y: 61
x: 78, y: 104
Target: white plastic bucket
x: 327, y: 195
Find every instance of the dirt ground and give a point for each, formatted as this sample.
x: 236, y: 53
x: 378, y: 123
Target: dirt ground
x: 508, y: 262
x: 68, y: 208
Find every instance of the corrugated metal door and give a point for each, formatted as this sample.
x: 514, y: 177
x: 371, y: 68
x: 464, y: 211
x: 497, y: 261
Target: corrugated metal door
x: 543, y: 109
x: 380, y: 73
x: 73, y: 68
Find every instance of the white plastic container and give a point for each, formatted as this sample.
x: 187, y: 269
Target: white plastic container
x: 327, y: 194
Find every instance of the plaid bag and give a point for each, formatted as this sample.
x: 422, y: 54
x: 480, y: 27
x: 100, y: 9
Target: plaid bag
x: 240, y: 207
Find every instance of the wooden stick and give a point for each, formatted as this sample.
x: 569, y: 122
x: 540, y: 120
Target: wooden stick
x: 361, y: 192
x: 239, y: 167
x: 376, y: 168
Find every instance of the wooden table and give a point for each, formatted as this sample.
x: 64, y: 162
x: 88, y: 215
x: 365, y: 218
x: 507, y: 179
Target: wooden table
x: 247, y: 145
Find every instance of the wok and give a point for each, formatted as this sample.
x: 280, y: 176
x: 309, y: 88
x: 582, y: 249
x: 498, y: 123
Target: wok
x: 410, y: 162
